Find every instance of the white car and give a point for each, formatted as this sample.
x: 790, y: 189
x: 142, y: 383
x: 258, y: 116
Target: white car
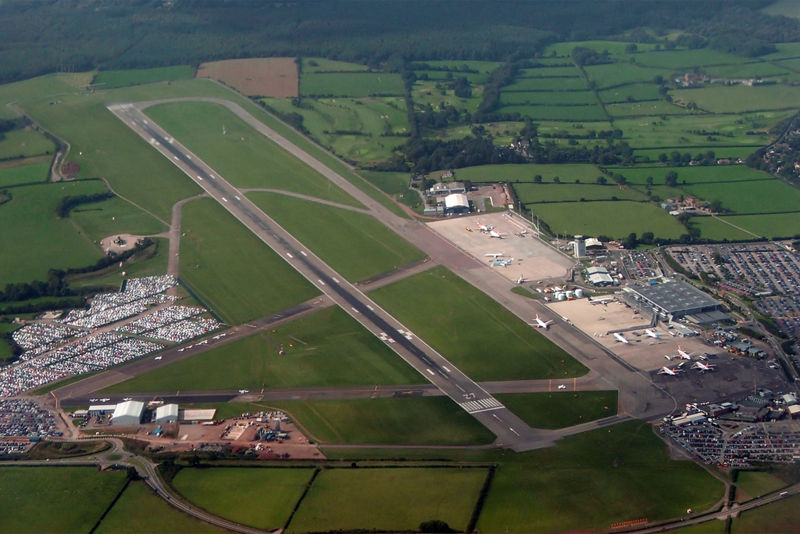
x: 562, y: 386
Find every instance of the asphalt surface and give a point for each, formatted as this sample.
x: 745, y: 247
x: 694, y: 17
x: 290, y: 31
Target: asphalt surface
x: 511, y: 431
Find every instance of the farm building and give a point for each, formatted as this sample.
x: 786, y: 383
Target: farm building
x: 456, y: 203
x: 677, y: 299
x: 128, y: 413
x: 167, y: 413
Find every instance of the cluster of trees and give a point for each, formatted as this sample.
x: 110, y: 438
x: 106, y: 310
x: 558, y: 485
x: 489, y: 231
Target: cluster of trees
x: 70, y: 202
x: 425, y: 155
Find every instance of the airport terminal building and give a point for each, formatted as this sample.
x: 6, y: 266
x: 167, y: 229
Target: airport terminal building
x: 676, y: 300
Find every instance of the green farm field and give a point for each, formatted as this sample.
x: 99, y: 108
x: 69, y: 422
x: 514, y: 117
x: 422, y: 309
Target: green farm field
x: 388, y: 499
x: 233, y: 271
x: 150, y: 263
x: 355, y: 244
x: 381, y: 123
x: 784, y: 50
x: 475, y: 78
x: 319, y: 64
x: 614, y: 219
x: 787, y: 8
x: 592, y: 480
x: 757, y: 69
x: 546, y: 84
x: 114, y: 216
x: 259, y: 497
x: 565, y: 113
x: 528, y: 193
x: 561, y: 409
x: 550, y: 72
x: 690, y: 132
x: 618, y: 74
x: 692, y: 175
x: 503, y: 132
x: 754, y: 484
x: 24, y: 144
x: 651, y: 107
x: 386, y: 421
x: 55, y: 499
x: 761, y: 196
x: 138, y: 510
x: 353, y: 84
x: 243, y: 156
x: 425, y: 93
x: 686, y: 59
x: 26, y: 173
x: 773, y: 225
x: 630, y: 92
x: 616, y: 48
x: 781, y: 516
x: 549, y: 98
x: 465, y: 324
x: 326, y: 348
x: 714, y: 228
x: 570, y: 127
x: 35, y: 239
x: 568, y: 173
x: 741, y: 98
x: 110, y: 79
x: 5, y: 347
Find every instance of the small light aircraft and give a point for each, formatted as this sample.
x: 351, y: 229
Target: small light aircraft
x: 521, y: 279
x: 503, y: 263
x: 494, y: 255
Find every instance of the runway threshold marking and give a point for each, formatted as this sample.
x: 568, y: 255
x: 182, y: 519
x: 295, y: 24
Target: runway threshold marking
x: 430, y: 372
x: 289, y: 254
x: 303, y: 253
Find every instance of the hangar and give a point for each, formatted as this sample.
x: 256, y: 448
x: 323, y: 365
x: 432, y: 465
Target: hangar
x: 127, y: 413
x: 167, y: 413
x: 456, y: 203
x: 675, y: 299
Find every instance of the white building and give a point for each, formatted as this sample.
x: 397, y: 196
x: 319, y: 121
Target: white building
x: 456, y: 203
x: 128, y: 413
x: 167, y: 413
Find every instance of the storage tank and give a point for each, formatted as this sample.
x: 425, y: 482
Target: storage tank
x: 560, y: 296
x: 579, y: 293
x: 570, y: 295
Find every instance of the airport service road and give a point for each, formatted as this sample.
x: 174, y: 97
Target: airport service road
x: 510, y: 430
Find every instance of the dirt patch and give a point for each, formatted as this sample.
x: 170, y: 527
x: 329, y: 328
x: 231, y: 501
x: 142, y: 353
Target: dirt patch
x: 275, y: 76
x: 119, y: 243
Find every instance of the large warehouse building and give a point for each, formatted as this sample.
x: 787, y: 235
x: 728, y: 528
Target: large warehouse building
x: 128, y: 413
x: 676, y: 299
x: 167, y: 413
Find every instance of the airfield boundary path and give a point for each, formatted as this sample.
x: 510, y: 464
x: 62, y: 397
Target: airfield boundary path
x: 511, y: 431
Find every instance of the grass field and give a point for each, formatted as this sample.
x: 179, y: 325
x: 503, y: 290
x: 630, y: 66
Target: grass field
x: 464, y: 325
x: 549, y: 98
x: 388, y: 499
x: 565, y: 113
x: 114, y: 216
x: 258, y: 497
x: 758, y: 69
x: 761, y: 196
x: 384, y: 421
x: 754, y: 484
x: 740, y: 98
x: 35, y: 240
x: 771, y: 226
x: 233, y: 271
x: 592, y: 480
x: 567, y: 71
x: 567, y: 173
x: 319, y: 64
x: 562, y: 409
x: 355, y: 244
x: 327, y: 348
x: 614, y: 74
x: 55, y: 499
x: 706, y: 174
x: 138, y: 510
x: 5, y: 348
x: 24, y: 144
x: 536, y: 193
x: 24, y: 174
x: 651, y: 107
x: 426, y: 93
x: 570, y: 127
x: 781, y: 516
x: 686, y: 59
x: 691, y: 132
x: 616, y: 48
x: 110, y: 79
x: 787, y: 8
x: 148, y: 264
x: 630, y: 92
x: 354, y: 84
x: 545, y: 84
x: 614, y: 219
x: 358, y: 129
x: 714, y: 228
x: 239, y: 153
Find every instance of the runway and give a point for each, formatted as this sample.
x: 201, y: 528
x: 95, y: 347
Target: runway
x: 510, y: 430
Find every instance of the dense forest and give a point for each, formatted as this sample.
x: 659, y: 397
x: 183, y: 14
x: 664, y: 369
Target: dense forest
x: 42, y: 36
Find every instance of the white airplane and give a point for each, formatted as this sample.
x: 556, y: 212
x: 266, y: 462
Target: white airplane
x: 503, y: 263
x: 494, y: 234
x: 683, y: 355
x: 652, y: 333
x: 521, y: 279
x: 543, y: 324
x: 619, y: 337
x: 668, y: 357
x: 484, y: 227
x: 494, y: 255
x: 703, y: 367
x: 668, y: 371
